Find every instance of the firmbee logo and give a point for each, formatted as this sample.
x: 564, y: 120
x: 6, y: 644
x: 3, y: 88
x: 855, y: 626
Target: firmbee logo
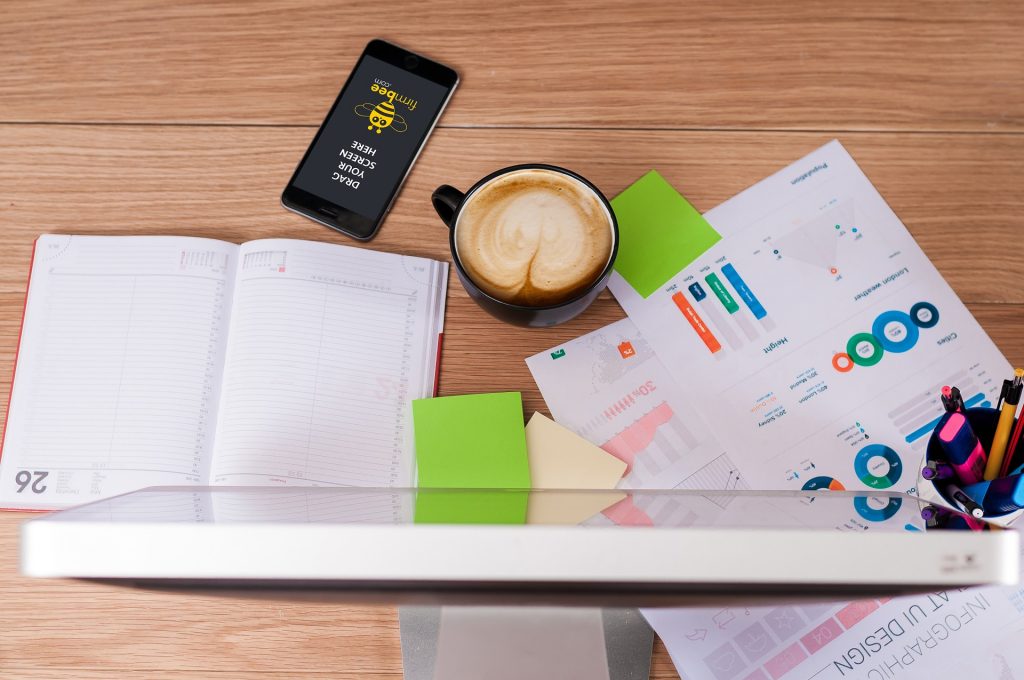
x: 383, y: 114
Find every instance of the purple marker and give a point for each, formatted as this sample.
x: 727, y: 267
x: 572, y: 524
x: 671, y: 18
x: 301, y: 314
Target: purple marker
x: 936, y: 471
x: 962, y: 448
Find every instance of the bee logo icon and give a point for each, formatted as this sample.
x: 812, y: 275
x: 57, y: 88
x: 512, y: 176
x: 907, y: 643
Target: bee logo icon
x: 381, y: 116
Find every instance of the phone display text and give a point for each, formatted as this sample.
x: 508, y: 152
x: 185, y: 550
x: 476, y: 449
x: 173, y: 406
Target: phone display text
x: 371, y: 137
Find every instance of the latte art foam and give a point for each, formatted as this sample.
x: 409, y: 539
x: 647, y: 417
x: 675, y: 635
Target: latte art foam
x: 533, y: 237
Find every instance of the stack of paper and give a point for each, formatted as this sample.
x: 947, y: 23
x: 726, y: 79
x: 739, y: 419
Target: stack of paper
x: 816, y: 334
x: 809, y: 342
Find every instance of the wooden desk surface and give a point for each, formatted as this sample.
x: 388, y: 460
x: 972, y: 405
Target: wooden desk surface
x: 188, y: 117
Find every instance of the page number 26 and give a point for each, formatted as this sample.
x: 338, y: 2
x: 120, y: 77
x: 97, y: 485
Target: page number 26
x: 24, y: 480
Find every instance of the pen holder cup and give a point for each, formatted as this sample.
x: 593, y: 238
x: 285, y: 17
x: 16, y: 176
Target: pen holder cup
x: 983, y: 421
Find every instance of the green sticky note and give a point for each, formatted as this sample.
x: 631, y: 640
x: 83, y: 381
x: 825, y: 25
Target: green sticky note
x: 659, y: 233
x: 458, y: 506
x: 473, y: 441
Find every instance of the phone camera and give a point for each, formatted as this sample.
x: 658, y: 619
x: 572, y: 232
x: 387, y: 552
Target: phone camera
x: 411, y: 61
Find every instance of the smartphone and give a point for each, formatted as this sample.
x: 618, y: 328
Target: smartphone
x: 360, y: 156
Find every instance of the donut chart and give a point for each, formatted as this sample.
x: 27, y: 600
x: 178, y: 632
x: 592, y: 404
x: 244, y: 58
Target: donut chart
x: 924, y: 314
x: 892, y: 331
x: 876, y: 514
x: 823, y: 483
x: 842, y: 362
x: 896, y: 331
x: 864, y: 349
x: 865, y: 464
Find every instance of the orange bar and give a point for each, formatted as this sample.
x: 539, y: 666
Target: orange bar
x: 698, y: 324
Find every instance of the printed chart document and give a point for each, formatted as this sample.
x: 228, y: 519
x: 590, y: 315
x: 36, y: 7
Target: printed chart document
x: 965, y: 633
x: 167, y: 361
x: 815, y: 336
x: 743, y: 313
x: 610, y: 388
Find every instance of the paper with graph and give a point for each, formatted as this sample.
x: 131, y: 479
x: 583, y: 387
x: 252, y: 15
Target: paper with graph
x: 183, y: 361
x: 610, y: 388
x: 814, y: 336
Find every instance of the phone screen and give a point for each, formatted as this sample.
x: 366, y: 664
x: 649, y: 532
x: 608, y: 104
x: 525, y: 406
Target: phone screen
x: 371, y: 137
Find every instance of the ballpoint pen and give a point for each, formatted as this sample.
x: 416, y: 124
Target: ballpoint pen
x: 1012, y: 447
x: 1003, y: 495
x: 968, y: 504
x: 1009, y: 398
x: 951, y: 399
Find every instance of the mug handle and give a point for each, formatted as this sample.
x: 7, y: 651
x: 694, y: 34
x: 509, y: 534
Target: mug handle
x: 446, y: 200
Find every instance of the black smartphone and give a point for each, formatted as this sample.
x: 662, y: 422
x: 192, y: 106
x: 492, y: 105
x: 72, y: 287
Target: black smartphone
x: 360, y: 156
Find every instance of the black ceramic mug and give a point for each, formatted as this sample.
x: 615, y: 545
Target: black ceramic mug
x: 449, y: 203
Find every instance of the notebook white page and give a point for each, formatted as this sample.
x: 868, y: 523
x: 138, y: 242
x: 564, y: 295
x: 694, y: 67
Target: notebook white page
x: 327, y: 347
x: 119, y: 368
x: 302, y: 505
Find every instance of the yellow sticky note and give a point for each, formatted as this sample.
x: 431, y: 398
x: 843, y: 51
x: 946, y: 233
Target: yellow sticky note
x: 561, y: 459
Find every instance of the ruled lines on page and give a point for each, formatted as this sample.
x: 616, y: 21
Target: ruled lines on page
x: 328, y: 344
x: 179, y: 504
x: 119, y: 368
x: 315, y: 506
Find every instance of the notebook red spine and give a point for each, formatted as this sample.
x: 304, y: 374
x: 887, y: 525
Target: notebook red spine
x: 17, y: 351
x: 437, y: 363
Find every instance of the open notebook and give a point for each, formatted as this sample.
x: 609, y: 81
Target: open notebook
x: 152, y: 360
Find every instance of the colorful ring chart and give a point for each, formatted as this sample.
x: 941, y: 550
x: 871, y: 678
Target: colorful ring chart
x: 822, y: 482
x: 904, y: 330
x: 924, y: 315
x: 888, y: 323
x: 872, y: 514
x: 863, y: 459
x: 842, y: 362
x: 876, y: 349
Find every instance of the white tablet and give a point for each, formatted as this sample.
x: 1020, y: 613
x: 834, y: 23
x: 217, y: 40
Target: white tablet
x: 630, y: 548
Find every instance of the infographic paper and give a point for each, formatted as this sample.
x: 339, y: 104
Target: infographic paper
x: 611, y: 389
x: 815, y: 336
x: 959, y: 633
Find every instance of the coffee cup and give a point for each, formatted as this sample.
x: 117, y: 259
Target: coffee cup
x: 532, y: 244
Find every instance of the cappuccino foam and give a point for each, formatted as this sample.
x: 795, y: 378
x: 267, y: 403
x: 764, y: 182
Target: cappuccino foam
x: 534, y: 237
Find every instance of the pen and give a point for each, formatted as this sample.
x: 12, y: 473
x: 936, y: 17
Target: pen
x: 1003, y: 495
x: 965, y: 501
x: 958, y: 400
x: 937, y: 471
x: 930, y: 512
x: 940, y: 518
x: 1012, y: 448
x: 1009, y: 398
x: 951, y: 399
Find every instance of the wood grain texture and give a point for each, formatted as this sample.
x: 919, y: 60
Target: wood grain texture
x: 937, y: 65
x: 223, y: 182
x: 926, y: 96
x: 66, y: 629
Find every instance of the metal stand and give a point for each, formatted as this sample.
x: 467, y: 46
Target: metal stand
x: 461, y: 643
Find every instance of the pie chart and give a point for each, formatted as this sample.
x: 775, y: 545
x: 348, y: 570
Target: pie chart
x: 818, y: 483
x: 878, y: 466
x: 876, y: 509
